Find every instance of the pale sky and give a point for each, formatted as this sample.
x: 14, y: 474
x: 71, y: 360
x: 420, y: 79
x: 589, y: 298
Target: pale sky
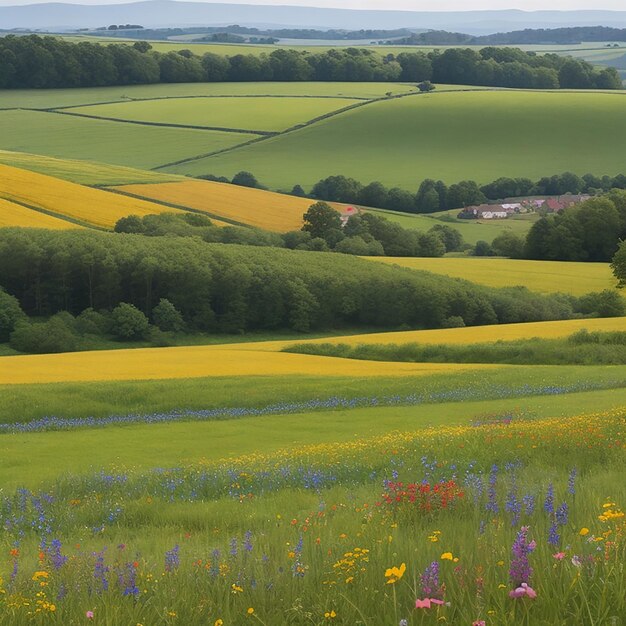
x: 406, y: 5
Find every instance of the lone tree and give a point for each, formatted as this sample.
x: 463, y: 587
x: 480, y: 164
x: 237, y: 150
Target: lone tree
x: 426, y: 86
x: 619, y: 264
x: 321, y: 219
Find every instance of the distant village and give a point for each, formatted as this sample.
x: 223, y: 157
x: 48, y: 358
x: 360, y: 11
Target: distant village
x: 516, y: 206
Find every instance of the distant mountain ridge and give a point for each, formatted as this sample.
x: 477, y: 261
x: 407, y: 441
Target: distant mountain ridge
x: 164, y: 13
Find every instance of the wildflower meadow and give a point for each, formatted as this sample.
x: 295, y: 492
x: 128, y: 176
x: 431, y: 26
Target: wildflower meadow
x: 507, y: 519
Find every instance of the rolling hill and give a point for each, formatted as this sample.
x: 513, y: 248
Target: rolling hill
x: 448, y: 136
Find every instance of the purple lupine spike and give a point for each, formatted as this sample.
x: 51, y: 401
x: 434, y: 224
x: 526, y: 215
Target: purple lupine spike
x: 520, y: 570
x: 548, y: 504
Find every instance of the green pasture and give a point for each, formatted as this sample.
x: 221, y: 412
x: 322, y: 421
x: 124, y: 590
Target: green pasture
x: 117, y: 143
x: 27, y: 402
x: 266, y: 114
x: 170, y: 444
x: 472, y: 230
x: 448, y: 136
x: 59, y: 98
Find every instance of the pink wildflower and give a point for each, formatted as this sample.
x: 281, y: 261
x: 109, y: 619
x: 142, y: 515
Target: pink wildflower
x: 478, y: 622
x: 559, y: 556
x: 523, y: 590
x: 89, y: 614
x: 422, y: 604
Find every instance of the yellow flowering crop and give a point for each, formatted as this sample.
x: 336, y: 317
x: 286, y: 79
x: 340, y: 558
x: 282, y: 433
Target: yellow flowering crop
x: 255, y: 207
x: 92, y: 206
x: 198, y: 362
x: 540, y: 276
x: 12, y: 214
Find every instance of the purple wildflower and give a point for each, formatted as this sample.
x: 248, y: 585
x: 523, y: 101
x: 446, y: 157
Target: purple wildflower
x: 247, y: 541
x: 553, y: 536
x: 562, y: 514
x: 215, y: 563
x: 529, y: 504
x: 233, y: 547
x: 100, y: 571
x: 520, y: 570
x: 492, y: 502
x: 430, y: 581
x: 571, y: 482
x: 172, y: 559
x: 548, y: 504
x: 513, y: 505
x: 128, y: 580
x: 54, y: 552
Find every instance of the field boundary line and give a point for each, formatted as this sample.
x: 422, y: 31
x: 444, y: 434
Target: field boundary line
x: 128, y: 99
x: 65, y: 218
x: 181, y: 207
x: 319, y: 118
x: 242, y: 131
x: 315, y: 120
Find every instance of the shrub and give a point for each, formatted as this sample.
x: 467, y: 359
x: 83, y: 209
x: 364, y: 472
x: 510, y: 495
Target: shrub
x: 55, y: 335
x: 167, y: 317
x: 128, y: 322
x: 607, y: 303
x: 10, y: 314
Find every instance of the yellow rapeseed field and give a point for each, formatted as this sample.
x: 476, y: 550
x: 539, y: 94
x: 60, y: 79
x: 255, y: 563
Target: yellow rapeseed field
x: 254, y: 207
x: 540, y: 276
x: 459, y: 336
x: 91, y: 206
x: 196, y: 362
x: 12, y: 214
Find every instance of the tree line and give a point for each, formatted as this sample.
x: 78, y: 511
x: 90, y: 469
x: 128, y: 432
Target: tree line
x: 234, y: 289
x: 589, y: 231
x: 567, y: 35
x: 323, y: 231
x: 46, y: 62
x: 435, y: 195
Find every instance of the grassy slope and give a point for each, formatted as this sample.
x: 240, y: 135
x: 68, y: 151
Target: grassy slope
x: 453, y: 136
x: 111, y: 142
x: 26, y: 402
x: 267, y: 114
x: 255, y: 207
x: 139, y: 446
x: 540, y: 276
x: 62, y: 198
x: 47, y: 98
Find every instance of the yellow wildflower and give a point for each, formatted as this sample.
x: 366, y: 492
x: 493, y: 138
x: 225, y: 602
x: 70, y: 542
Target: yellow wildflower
x: 394, y: 574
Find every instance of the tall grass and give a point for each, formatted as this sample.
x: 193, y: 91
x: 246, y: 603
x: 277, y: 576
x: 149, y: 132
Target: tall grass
x: 581, y: 348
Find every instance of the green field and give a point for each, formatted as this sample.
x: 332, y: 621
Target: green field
x: 217, y: 440
x: 266, y: 114
x: 59, y: 98
x: 454, y: 136
x: 472, y: 230
x: 118, y: 143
